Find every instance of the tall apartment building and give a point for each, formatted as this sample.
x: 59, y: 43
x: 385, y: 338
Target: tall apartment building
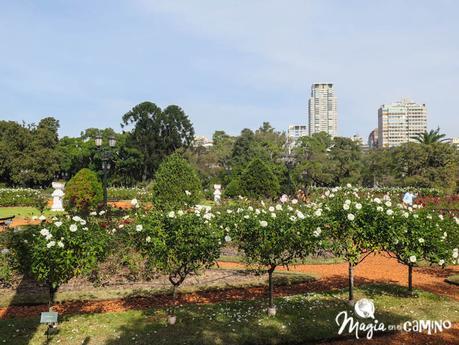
x: 399, y: 122
x: 323, y: 115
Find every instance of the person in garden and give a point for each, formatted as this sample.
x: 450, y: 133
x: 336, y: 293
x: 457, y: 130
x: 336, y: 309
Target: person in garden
x: 408, y: 198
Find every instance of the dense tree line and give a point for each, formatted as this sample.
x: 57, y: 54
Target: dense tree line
x: 32, y: 155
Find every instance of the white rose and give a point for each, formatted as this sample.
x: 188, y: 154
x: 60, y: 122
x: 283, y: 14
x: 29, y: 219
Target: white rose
x: 455, y: 255
x: 293, y: 218
x: 139, y: 227
x: 148, y: 239
x: 263, y: 223
x: 347, y: 202
x: 101, y: 213
x: 73, y: 227
x: 134, y: 202
x: 51, y: 244
x: 60, y: 244
x: 345, y: 207
x: 317, y: 232
x: 180, y: 213
x: 42, y: 218
x: 377, y: 200
x: 44, y: 232
x: 388, y: 203
x: 271, y: 209
x: 93, y: 213
x: 379, y: 208
x: 188, y: 193
x: 294, y: 201
x: 76, y: 218
x: 82, y: 222
x: 318, y: 213
x: 273, y: 215
x: 350, y: 216
x: 5, y: 251
x: 227, y: 238
x: 348, y: 185
x: 389, y: 212
x: 412, y: 258
x: 58, y: 224
x: 358, y: 206
x: 441, y: 262
x: 406, y: 214
x: 299, y: 214
x: 421, y: 240
x: 246, y: 216
x: 278, y: 207
x: 171, y: 214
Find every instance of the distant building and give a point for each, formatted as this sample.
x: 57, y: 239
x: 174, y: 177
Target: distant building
x: 322, y: 111
x: 202, y: 141
x: 358, y: 139
x: 399, y: 122
x: 294, y: 133
x: 373, y: 139
x: 453, y: 141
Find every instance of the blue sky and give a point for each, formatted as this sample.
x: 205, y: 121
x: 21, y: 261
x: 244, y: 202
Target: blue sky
x: 228, y: 64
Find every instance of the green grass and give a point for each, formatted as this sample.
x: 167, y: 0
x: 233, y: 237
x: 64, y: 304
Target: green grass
x: 8, y: 297
x: 24, y: 212
x: 300, y: 319
x: 454, y: 279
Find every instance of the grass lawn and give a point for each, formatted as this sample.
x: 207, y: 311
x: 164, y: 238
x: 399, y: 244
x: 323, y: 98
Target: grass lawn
x: 300, y: 319
x: 24, y: 212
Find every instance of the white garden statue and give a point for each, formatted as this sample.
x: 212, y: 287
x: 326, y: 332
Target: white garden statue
x: 58, y: 196
x: 217, y: 193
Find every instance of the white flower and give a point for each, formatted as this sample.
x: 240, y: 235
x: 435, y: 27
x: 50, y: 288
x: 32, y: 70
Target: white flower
x: 347, y: 202
x: 284, y: 198
x: 346, y: 207
x: 188, y: 193
x: 73, y: 228
x: 377, y: 200
x: 48, y: 237
x: 327, y: 193
x: 250, y: 208
x: 348, y: 185
x: 229, y: 211
x: 82, y: 222
x: 44, y: 232
x: 76, y: 218
x: 350, y: 216
x: 180, y: 212
x: 134, y: 202
x: 294, y: 201
x: 406, y: 214
x: 227, y: 238
x: 101, y: 213
x: 246, y: 216
x: 93, y: 213
x: 278, y: 207
x: 299, y: 214
x: 421, y: 240
x: 358, y: 206
x: 273, y: 215
x: 148, y: 239
x: 60, y: 244
x: 429, y: 216
x: 139, y: 227
x: 85, y: 228
x: 457, y: 220
x: 412, y: 258
x: 293, y: 218
x: 440, y: 216
x: 171, y: 214
x: 51, y: 244
x: 42, y: 218
x: 388, y: 203
x: 5, y: 251
x: 379, y: 208
x: 120, y: 226
x: 271, y: 209
x: 389, y: 212
x: 317, y: 232
x: 58, y: 224
x: 455, y: 255
x: 441, y: 262
x: 318, y: 212
x: 263, y: 223
x: 207, y: 216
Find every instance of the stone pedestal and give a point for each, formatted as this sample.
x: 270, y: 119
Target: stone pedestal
x: 58, y: 196
x: 217, y: 193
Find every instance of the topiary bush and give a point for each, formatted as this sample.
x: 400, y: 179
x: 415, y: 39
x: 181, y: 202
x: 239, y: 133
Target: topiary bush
x: 83, y: 193
x: 176, y: 184
x: 233, y: 189
x: 258, y: 180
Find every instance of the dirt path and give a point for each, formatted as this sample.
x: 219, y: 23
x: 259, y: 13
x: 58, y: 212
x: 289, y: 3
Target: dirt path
x: 381, y: 268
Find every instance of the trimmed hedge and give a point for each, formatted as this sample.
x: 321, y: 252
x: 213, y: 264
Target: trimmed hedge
x: 258, y: 180
x: 176, y: 184
x: 83, y: 193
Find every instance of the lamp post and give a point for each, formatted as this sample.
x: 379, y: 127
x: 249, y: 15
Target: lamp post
x: 106, y: 157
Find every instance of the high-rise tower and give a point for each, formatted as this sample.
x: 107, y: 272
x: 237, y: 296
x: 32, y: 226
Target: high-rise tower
x: 323, y: 116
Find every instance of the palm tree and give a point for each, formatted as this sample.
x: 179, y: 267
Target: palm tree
x: 427, y: 138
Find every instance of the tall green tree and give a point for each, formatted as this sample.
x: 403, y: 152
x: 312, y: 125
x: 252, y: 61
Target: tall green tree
x: 157, y: 133
x: 430, y: 137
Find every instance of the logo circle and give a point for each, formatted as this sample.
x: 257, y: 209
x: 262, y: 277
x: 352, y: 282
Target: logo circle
x: 365, y: 308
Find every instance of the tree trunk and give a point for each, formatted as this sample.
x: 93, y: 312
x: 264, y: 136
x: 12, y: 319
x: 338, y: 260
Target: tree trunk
x: 270, y: 280
x: 410, y: 279
x: 52, y: 294
x: 351, y: 282
x: 174, y: 298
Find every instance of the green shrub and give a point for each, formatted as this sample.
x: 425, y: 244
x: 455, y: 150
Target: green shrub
x: 258, y: 180
x: 233, y: 189
x: 26, y: 197
x: 176, y: 184
x: 83, y: 193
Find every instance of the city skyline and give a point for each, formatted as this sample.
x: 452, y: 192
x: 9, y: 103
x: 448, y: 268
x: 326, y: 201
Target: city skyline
x: 73, y: 63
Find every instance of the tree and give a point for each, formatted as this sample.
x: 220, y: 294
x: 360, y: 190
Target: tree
x: 157, y: 133
x: 176, y: 184
x: 427, y: 138
x: 258, y: 180
x: 54, y: 252
x: 274, y: 235
x: 178, y: 243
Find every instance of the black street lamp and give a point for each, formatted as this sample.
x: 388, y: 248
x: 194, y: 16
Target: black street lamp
x: 107, y: 158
